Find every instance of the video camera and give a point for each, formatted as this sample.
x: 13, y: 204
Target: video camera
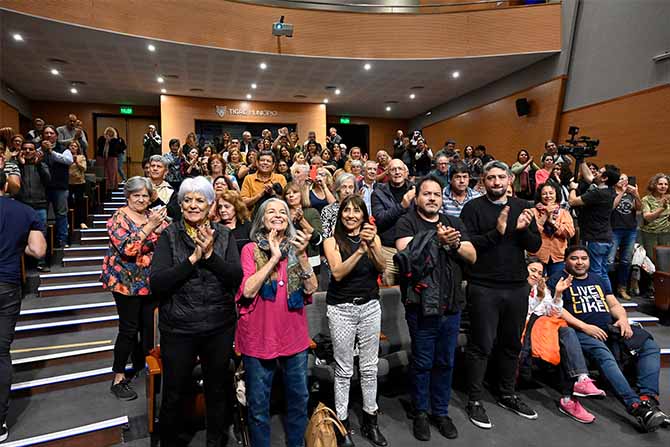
x: 579, y: 149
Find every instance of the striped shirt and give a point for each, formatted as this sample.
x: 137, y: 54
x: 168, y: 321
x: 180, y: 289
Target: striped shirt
x: 451, y: 206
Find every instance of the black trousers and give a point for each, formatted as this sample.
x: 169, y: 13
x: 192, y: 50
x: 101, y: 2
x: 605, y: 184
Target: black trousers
x: 496, y: 316
x: 136, y: 319
x: 77, y: 203
x: 178, y: 354
x: 10, y: 306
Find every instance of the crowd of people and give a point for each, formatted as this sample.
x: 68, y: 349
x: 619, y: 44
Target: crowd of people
x: 230, y: 240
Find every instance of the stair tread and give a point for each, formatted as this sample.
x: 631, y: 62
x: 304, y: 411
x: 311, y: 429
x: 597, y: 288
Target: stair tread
x: 33, y: 302
x: 84, y: 338
x: 75, y: 365
x: 63, y: 321
x: 54, y: 310
x: 62, y: 409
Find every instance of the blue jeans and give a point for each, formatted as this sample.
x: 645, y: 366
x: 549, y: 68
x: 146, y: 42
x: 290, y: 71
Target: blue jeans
x: 553, y: 267
x: 572, y: 357
x: 259, y: 374
x: 648, y: 367
x: 626, y: 240
x: 42, y: 214
x: 598, y: 254
x: 434, y: 342
x: 58, y: 199
x: 122, y: 161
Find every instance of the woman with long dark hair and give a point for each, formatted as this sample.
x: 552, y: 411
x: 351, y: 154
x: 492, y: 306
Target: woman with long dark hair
x: 524, y: 175
x: 354, y: 314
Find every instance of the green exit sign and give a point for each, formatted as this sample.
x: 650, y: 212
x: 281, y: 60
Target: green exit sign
x: 345, y: 120
x: 125, y: 110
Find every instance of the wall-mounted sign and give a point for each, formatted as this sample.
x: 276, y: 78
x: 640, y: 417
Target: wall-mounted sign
x: 125, y: 110
x: 230, y: 111
x: 345, y: 120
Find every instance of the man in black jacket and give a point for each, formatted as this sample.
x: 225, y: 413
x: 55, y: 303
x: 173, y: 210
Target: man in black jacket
x: 58, y: 159
x: 389, y: 202
x: 152, y: 143
x: 35, y: 177
x: 501, y: 228
x: 434, y: 326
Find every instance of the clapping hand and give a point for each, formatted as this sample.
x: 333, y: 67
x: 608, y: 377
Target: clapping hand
x: 563, y: 284
x: 368, y: 233
x: 448, y: 235
x: 524, y: 219
x: 301, y: 241
x: 501, y: 223
x: 156, y: 217
x: 205, y: 240
x: 275, y: 241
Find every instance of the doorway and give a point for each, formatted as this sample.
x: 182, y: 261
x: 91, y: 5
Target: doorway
x: 353, y: 135
x: 132, y: 130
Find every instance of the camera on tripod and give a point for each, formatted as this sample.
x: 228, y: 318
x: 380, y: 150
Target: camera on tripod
x: 579, y: 148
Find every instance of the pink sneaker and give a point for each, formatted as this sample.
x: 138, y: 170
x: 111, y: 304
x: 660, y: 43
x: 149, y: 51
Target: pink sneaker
x: 575, y: 410
x: 586, y: 388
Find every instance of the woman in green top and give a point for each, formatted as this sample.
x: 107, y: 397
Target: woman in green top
x: 655, y: 229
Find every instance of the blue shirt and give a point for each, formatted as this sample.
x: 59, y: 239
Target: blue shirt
x: 451, y: 206
x: 585, y: 299
x: 16, y: 221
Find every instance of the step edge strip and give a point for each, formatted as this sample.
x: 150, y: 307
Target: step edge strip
x: 56, y: 324
x: 62, y: 355
x: 69, y: 274
x: 44, y: 310
x: 50, y: 287
x: 70, y: 432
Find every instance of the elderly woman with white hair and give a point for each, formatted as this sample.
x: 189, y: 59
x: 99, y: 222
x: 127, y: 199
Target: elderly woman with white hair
x: 158, y: 168
x: 272, y: 332
x: 133, y: 232
x: 196, y: 272
x: 345, y: 185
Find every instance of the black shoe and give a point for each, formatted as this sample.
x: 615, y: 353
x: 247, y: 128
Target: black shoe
x: 4, y: 432
x: 648, y: 417
x: 123, y: 390
x: 513, y: 403
x: 421, y: 427
x: 44, y: 268
x: 370, y: 430
x: 344, y: 441
x: 445, y: 426
x: 477, y: 414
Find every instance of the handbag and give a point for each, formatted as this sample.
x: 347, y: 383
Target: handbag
x: 321, y: 428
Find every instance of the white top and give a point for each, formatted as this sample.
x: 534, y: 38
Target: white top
x: 543, y: 306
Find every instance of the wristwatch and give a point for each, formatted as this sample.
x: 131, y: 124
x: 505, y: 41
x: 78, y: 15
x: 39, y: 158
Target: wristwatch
x: 306, y: 274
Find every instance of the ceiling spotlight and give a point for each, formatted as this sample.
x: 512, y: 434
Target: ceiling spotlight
x: 388, y: 108
x: 367, y: 66
x: 18, y: 37
x: 337, y: 91
x: 248, y: 95
x: 456, y: 74
x: 412, y: 96
x: 74, y: 91
x: 263, y: 65
x: 253, y: 86
x: 55, y: 72
x: 325, y: 100
x: 428, y: 113
x: 151, y: 48
x: 160, y: 79
x: 163, y: 90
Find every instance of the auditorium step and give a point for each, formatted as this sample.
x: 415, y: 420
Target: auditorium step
x: 83, y: 261
x: 85, y: 250
x: 72, y: 310
x: 643, y: 319
x: 94, y: 240
x: 101, y: 433
x: 42, y: 326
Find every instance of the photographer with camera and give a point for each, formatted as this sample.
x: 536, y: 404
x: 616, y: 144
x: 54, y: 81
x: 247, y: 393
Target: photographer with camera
x: 264, y: 183
x: 595, y: 213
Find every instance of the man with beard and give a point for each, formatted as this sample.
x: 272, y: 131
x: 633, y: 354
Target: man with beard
x: 435, y: 335
x: 501, y: 228
x: 601, y: 323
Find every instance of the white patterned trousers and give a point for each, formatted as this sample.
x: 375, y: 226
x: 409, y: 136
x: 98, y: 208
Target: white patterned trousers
x: 352, y: 327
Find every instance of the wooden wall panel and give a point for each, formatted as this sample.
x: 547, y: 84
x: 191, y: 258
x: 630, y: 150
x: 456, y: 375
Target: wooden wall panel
x: 633, y: 131
x: 497, y: 126
x: 246, y: 27
x: 9, y: 116
x: 178, y: 115
x: 382, y: 131
x: 54, y: 112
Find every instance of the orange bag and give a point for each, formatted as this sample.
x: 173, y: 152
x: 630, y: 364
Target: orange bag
x: 544, y: 339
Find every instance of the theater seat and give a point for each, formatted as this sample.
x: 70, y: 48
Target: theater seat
x: 662, y: 277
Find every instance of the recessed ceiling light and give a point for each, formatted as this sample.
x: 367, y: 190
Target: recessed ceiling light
x: 428, y: 113
x: 412, y: 96
x: 367, y: 66
x: 248, y: 95
x: 151, y: 48
x: 160, y: 79
x: 455, y: 74
x: 337, y: 91
x: 55, y: 72
x: 163, y: 90
x: 18, y: 37
x: 388, y: 108
x: 263, y: 65
x: 74, y: 91
x: 253, y: 86
x: 325, y: 100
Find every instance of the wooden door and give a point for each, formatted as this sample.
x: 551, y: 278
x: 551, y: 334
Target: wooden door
x: 137, y: 127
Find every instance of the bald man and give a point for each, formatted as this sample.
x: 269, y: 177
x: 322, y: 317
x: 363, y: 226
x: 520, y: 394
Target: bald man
x: 71, y: 131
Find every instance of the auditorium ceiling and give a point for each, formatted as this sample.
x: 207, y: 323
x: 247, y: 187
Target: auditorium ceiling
x: 113, y: 68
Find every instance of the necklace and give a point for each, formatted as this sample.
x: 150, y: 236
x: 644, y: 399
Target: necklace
x: 354, y: 240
